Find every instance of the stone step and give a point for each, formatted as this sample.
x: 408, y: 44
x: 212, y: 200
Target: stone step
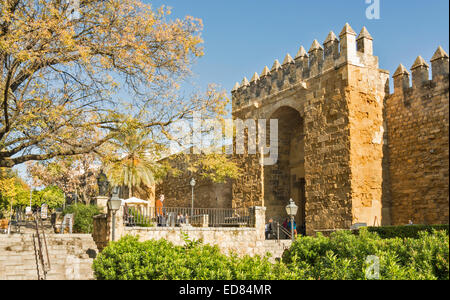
x: 276, y: 248
x: 68, y: 255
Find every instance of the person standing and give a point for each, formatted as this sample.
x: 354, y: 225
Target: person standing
x: 159, y: 206
x: 269, y: 229
x: 160, y: 211
x: 294, y: 225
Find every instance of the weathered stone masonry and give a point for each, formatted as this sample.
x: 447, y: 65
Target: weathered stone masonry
x: 337, y: 91
x: 178, y: 193
x: 418, y: 129
x: 333, y: 104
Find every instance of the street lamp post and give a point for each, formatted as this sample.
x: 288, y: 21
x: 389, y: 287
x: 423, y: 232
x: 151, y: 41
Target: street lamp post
x: 113, y: 205
x: 291, y: 210
x: 192, y: 202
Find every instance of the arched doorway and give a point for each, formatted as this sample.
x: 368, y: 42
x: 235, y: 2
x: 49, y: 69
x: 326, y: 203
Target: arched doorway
x: 286, y: 179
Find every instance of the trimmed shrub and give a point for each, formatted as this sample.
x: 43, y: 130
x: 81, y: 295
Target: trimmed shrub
x: 407, y: 231
x: 343, y: 256
x: 129, y: 259
x: 83, y: 216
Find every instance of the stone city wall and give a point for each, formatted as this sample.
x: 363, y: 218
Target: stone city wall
x: 418, y: 130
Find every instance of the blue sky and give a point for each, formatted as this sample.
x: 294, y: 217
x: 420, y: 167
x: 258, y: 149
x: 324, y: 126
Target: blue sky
x: 242, y: 36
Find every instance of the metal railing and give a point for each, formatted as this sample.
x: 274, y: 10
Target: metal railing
x: 16, y: 220
x: 41, y: 250
x: 279, y: 232
x: 179, y: 217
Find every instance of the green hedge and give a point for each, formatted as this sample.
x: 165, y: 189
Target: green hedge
x: 129, y: 259
x: 84, y: 214
x: 408, y: 231
x: 343, y: 256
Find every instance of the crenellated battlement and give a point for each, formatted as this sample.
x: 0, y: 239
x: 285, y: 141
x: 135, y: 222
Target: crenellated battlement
x: 420, y: 74
x: 333, y: 53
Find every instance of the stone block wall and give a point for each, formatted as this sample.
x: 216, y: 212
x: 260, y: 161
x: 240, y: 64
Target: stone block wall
x: 240, y: 240
x: 247, y: 189
x: 327, y: 153
x: 368, y: 87
x: 418, y: 128
x: 178, y: 191
x: 70, y: 256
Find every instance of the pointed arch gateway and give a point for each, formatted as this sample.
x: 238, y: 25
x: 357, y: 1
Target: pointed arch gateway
x: 286, y: 179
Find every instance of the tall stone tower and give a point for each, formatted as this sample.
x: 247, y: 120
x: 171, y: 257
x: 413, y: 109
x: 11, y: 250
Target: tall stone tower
x: 329, y: 105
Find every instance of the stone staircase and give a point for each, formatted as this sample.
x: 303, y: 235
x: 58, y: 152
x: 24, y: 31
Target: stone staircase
x: 70, y: 256
x: 29, y: 227
x: 277, y: 248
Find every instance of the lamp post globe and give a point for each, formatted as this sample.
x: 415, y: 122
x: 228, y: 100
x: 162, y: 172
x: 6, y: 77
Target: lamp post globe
x: 291, y: 210
x: 114, y: 205
x: 192, y: 183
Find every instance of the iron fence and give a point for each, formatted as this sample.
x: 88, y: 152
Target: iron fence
x: 179, y: 217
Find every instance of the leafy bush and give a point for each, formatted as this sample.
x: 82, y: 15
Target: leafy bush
x: 83, y: 216
x: 409, y: 231
x: 129, y: 259
x: 53, y: 196
x: 344, y: 255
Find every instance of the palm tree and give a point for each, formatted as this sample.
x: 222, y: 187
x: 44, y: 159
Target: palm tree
x: 132, y: 165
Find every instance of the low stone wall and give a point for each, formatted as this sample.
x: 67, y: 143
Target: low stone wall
x: 242, y: 241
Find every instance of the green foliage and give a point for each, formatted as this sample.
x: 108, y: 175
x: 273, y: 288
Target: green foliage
x: 129, y: 259
x: 13, y: 190
x: 408, y: 231
x: 131, y: 163
x: 52, y: 195
x: 83, y: 216
x: 344, y: 255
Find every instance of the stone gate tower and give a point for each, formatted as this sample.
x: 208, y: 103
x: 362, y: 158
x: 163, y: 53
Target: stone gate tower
x: 329, y: 103
x: 333, y: 156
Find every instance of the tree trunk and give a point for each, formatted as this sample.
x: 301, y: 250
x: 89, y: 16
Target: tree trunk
x: 87, y: 200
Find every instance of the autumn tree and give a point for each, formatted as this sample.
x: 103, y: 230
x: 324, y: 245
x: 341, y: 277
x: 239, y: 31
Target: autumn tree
x: 75, y: 175
x: 64, y: 74
x: 14, y: 192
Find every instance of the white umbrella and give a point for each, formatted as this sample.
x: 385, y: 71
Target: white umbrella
x: 135, y: 200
